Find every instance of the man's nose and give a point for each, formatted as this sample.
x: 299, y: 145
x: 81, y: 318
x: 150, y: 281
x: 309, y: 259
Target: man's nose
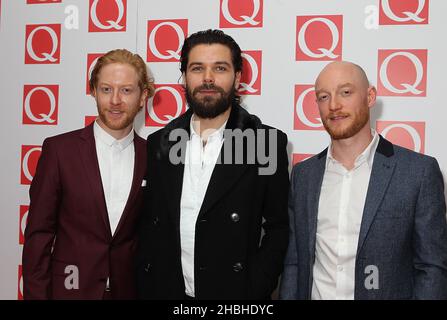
x: 116, y: 97
x: 208, y: 77
x: 334, y: 104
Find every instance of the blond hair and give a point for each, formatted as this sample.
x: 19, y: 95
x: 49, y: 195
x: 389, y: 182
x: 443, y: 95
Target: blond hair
x: 127, y: 57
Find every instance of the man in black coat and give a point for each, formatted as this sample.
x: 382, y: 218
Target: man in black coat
x: 215, y: 223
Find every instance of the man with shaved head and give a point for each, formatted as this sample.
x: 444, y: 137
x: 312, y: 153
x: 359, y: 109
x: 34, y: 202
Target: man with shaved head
x: 367, y: 218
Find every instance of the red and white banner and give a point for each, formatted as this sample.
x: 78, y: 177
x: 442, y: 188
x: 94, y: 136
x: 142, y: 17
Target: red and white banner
x: 40, y: 104
x: 107, y: 16
x: 319, y: 38
x: 306, y: 115
x: 43, y: 44
x: 241, y: 13
x: 251, y: 79
x: 30, y: 156
x: 168, y: 103
x: 165, y: 39
x: 402, y: 72
x: 398, y: 12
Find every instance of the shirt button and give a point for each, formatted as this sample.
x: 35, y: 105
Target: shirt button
x: 237, y: 267
x: 235, y: 217
x: 340, y: 268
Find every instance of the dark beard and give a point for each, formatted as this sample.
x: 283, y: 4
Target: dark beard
x: 210, y: 107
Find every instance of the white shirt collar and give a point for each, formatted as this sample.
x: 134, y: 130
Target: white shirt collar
x: 218, y: 133
x: 106, y: 138
x: 367, y: 154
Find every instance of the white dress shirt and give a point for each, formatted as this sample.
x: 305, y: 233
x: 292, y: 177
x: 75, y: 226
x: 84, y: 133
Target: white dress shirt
x: 199, y: 165
x: 340, y: 211
x: 116, y: 164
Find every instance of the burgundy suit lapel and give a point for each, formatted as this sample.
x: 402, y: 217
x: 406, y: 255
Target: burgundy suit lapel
x: 138, y: 175
x: 89, y: 158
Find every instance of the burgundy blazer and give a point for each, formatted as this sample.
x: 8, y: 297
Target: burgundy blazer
x: 68, y: 224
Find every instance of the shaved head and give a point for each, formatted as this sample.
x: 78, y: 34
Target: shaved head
x: 344, y: 97
x: 355, y: 71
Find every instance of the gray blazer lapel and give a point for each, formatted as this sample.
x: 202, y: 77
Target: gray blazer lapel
x: 382, y: 171
x: 314, y: 191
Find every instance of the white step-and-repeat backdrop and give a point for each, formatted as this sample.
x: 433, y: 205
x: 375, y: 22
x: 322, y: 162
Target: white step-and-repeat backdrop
x: 49, y: 46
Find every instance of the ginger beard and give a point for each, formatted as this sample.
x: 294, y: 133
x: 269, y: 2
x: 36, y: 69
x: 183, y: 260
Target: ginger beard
x: 119, y: 120
x: 341, y: 130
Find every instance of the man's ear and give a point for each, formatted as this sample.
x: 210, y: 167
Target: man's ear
x: 237, y: 80
x: 372, y: 95
x: 93, y: 93
x: 143, y: 97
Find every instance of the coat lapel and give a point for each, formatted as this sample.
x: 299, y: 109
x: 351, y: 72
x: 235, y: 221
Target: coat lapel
x: 381, y: 173
x: 138, y: 175
x: 87, y: 151
x: 224, y: 176
x: 313, y: 199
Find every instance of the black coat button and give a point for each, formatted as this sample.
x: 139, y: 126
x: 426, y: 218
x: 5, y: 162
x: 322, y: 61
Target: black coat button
x: 237, y: 267
x: 156, y: 221
x: 147, y: 267
x: 235, y: 217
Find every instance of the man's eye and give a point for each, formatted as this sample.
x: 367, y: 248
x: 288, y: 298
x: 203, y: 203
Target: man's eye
x: 106, y: 89
x: 322, y: 98
x: 126, y: 90
x: 221, y: 68
x: 346, y: 92
x: 196, y: 69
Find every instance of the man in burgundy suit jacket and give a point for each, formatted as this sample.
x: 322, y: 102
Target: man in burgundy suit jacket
x: 87, y: 193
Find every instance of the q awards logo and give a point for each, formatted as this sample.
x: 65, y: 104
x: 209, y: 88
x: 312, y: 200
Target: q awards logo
x: 42, y: 1
x: 107, y: 15
x: 398, y: 12
x: 92, y: 58
x: 30, y: 156
x: 165, y: 39
x: 306, y: 115
x: 402, y: 73
x: 42, y: 45
x: 250, y: 83
x: 407, y: 134
x: 20, y: 284
x: 89, y: 120
x: 241, y: 13
x: 167, y: 104
x: 40, y: 104
x: 22, y: 223
x: 299, y: 157
x: 319, y: 38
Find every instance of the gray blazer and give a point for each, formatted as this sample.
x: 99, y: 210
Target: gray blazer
x: 403, y: 231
